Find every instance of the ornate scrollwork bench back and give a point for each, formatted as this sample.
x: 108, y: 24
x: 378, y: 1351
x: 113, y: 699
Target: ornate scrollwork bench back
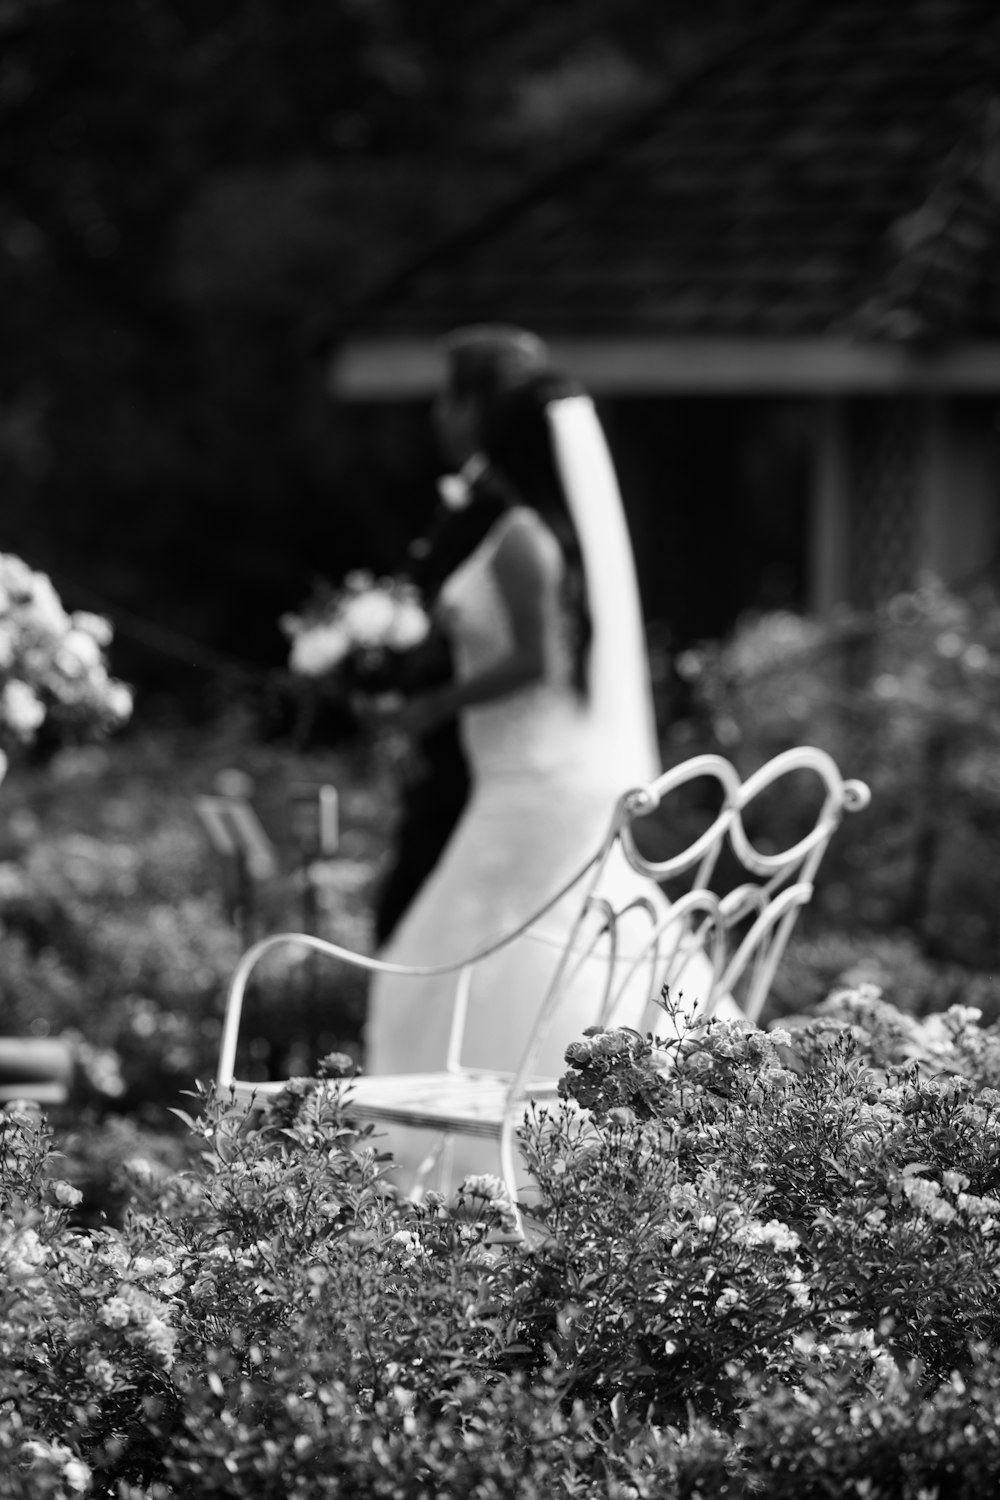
x: 743, y: 930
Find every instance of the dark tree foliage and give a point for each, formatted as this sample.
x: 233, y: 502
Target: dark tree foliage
x: 192, y: 193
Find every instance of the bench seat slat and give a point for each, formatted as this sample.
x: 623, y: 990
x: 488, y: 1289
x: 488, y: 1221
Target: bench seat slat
x: 472, y: 1100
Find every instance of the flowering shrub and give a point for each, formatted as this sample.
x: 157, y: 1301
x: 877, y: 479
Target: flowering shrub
x: 820, y: 959
x: 115, y: 926
x: 99, y: 946
x: 756, y: 1263
x: 53, y: 670
x: 908, y: 699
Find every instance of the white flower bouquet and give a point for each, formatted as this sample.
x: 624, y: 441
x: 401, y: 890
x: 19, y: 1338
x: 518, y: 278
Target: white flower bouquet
x: 356, y: 635
x: 53, y: 668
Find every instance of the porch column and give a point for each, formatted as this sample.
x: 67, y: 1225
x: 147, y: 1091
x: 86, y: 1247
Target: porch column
x: 960, y: 533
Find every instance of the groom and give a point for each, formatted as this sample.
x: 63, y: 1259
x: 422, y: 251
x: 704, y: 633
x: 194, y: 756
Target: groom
x: 480, y: 362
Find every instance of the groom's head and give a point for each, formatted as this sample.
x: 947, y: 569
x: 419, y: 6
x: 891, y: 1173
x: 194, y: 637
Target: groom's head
x: 481, y: 362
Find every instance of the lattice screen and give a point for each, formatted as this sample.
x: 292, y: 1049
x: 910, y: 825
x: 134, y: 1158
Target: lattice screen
x: 885, y: 448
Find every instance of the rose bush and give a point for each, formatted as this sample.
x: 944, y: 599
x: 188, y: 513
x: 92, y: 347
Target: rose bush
x: 53, y: 665
x: 757, y: 1263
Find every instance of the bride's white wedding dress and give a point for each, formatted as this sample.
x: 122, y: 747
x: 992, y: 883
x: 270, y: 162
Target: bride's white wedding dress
x: 545, y: 782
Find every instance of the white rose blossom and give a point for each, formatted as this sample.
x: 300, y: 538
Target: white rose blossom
x: 45, y: 606
x: 319, y: 649
x: 410, y: 625
x: 52, y: 662
x: 369, y: 619
x: 75, y: 1472
x: 17, y: 577
x: 21, y: 708
x: 95, y: 626
x: 80, y: 651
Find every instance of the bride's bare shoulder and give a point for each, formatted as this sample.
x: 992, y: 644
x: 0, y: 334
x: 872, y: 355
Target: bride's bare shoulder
x: 524, y: 539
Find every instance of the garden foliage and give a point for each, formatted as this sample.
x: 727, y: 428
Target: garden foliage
x: 908, y: 699
x: 756, y: 1264
x: 118, y: 927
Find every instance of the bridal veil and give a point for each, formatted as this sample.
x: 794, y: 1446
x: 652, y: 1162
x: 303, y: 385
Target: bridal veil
x: 620, y: 690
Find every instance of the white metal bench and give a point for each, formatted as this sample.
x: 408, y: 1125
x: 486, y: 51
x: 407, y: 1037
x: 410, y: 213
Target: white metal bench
x: 743, y: 930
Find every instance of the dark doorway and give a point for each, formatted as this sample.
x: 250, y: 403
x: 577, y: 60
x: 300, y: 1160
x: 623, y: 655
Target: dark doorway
x: 717, y: 492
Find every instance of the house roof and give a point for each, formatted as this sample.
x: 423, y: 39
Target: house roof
x: 835, y: 176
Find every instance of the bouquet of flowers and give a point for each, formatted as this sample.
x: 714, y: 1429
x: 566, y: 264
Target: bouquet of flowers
x: 53, y: 670
x: 357, y: 636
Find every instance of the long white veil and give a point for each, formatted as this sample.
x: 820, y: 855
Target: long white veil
x: 620, y: 690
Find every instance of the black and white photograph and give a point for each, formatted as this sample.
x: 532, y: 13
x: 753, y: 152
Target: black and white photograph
x: 499, y: 750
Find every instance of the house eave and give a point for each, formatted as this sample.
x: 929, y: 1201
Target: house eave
x: 397, y: 369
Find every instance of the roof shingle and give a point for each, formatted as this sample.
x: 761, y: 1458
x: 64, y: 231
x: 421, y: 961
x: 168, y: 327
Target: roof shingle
x: 838, y: 171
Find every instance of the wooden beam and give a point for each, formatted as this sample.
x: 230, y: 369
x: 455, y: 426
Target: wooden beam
x: 370, y: 369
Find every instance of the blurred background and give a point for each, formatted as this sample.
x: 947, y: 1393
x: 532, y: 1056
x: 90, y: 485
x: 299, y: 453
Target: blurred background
x: 230, y: 235
x: 765, y: 235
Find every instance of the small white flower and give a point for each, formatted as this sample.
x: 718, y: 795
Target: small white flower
x: 408, y: 1244
x: 368, y: 619
x: 699, y: 1062
x: 319, y: 649
x: 140, y: 1169
x: 24, y: 1253
x: 20, y: 708
x: 116, y: 1313
x: 484, y: 1185
x: 76, y: 1475
x: 101, y: 1374
x: 965, y: 1015
x: 17, y: 577
x: 114, y: 1254
x: 798, y: 1291
x: 774, y: 1234
x: 95, y: 626
x: 409, y: 627
x: 66, y: 1195
x: 160, y: 1338
x: 45, y: 607
x: 79, y: 653
x: 455, y: 492
x: 925, y: 1197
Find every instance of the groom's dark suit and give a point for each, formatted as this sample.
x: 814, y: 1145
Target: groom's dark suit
x: 437, y: 786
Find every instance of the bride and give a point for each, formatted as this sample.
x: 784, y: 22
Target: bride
x: 552, y: 695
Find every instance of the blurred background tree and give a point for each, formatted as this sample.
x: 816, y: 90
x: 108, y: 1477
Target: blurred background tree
x: 195, y: 194
x: 907, y: 697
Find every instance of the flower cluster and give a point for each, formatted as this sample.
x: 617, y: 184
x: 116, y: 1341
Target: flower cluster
x: 773, y: 1272
x: 53, y: 668
x: 352, y: 630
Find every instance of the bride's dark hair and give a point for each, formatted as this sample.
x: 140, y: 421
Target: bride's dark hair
x: 516, y: 439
